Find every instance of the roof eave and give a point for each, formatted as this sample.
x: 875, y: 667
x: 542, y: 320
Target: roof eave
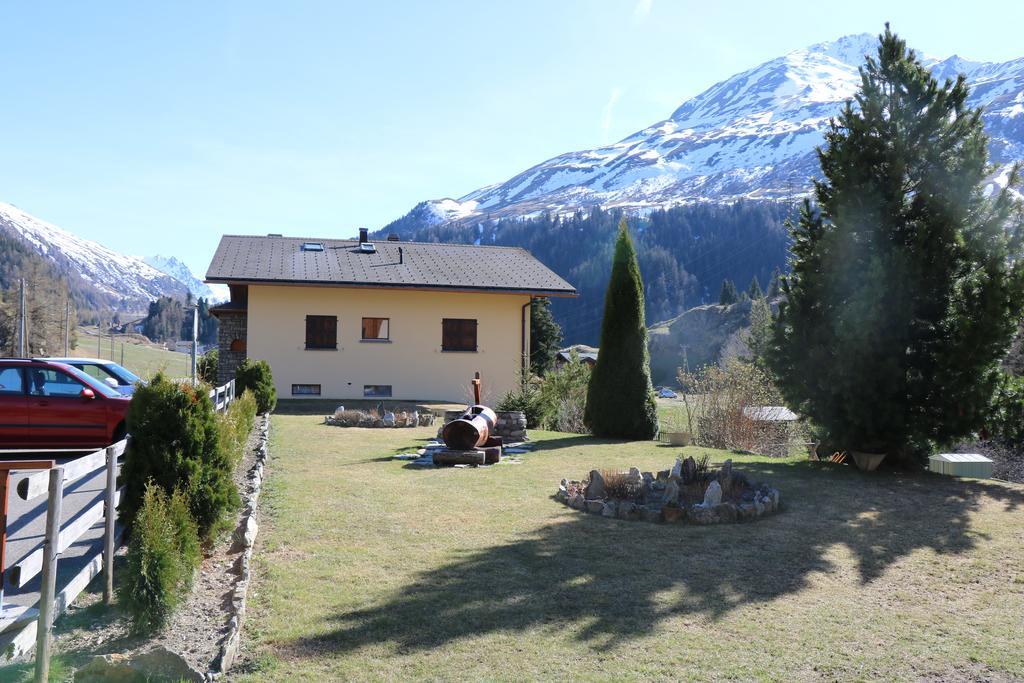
x: 571, y: 293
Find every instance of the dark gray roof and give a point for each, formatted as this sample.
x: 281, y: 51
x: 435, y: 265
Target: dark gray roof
x: 257, y: 259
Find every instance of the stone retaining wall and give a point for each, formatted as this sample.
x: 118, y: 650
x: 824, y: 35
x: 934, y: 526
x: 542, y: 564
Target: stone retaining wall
x: 511, y: 425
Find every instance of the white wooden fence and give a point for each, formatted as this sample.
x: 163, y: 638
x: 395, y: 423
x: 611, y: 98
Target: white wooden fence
x: 20, y: 626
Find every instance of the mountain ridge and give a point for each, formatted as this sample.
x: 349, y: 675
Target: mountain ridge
x: 750, y: 137
x: 107, y: 279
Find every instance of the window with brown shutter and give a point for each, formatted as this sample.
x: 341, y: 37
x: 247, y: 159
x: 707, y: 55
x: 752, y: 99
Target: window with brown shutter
x: 458, y: 334
x: 376, y: 329
x: 321, y: 332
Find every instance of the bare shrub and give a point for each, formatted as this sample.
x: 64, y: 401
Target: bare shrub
x: 714, y: 399
x: 569, y: 417
x: 619, y: 485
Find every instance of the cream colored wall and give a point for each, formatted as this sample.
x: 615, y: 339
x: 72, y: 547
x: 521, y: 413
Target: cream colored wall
x: 412, y: 362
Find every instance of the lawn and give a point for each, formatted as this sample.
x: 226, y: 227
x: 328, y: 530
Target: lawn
x: 369, y: 570
x: 144, y: 359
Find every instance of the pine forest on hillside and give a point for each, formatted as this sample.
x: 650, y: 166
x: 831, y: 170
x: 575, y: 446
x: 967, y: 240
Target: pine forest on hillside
x: 685, y: 253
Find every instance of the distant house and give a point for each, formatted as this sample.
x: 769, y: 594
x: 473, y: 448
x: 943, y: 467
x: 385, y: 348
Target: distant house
x: 347, y: 319
x: 587, y: 354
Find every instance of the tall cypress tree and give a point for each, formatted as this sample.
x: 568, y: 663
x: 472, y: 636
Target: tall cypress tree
x: 620, y: 398
x: 905, y: 289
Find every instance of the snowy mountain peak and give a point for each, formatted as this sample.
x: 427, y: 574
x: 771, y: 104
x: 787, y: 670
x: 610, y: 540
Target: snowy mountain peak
x: 752, y: 136
x: 116, y: 280
x: 183, y: 274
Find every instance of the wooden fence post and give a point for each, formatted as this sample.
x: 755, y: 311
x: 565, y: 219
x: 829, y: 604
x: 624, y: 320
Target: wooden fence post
x: 109, y: 515
x: 48, y: 588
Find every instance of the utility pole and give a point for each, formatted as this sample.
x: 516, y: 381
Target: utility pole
x: 21, y: 321
x: 67, y: 327
x: 195, y: 342
x: 99, y: 338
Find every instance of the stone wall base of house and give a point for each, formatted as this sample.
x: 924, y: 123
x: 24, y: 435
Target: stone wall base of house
x: 231, y: 345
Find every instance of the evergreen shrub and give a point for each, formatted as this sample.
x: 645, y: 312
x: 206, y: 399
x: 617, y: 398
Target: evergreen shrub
x: 163, y: 555
x: 255, y: 376
x: 176, y: 444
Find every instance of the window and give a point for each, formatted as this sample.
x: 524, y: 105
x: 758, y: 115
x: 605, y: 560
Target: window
x: 376, y: 329
x: 101, y: 373
x: 458, y: 334
x: 321, y: 332
x: 313, y: 246
x: 305, y: 390
x: 10, y: 381
x: 49, y: 382
x: 376, y: 390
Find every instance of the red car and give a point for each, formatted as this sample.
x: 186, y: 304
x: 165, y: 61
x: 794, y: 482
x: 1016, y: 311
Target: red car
x: 44, y: 404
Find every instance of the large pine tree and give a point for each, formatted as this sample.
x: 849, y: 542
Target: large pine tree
x: 620, y: 398
x: 905, y: 286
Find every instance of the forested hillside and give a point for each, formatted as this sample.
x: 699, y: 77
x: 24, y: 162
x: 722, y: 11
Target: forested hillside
x: 684, y: 253
x: 46, y: 297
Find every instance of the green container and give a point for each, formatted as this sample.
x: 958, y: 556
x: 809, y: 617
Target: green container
x: 961, y: 465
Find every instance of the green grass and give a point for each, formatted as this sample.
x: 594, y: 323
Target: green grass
x: 144, y: 359
x: 368, y: 570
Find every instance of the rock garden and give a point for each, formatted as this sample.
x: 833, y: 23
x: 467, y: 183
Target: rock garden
x: 688, y: 492
x: 381, y: 417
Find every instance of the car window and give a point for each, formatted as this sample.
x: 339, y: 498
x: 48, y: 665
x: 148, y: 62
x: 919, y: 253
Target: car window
x: 97, y: 372
x: 50, y: 382
x: 96, y: 385
x: 10, y: 381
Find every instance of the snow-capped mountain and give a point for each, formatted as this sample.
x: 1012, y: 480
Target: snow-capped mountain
x: 115, y: 280
x: 183, y: 274
x: 752, y: 136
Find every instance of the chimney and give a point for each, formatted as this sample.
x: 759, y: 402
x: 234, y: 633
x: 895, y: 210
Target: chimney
x: 401, y: 256
x: 393, y: 238
x: 364, y: 236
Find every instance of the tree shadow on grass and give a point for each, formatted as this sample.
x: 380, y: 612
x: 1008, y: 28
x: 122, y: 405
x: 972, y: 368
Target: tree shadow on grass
x: 614, y: 581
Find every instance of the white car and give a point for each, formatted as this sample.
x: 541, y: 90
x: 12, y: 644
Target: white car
x: 115, y: 376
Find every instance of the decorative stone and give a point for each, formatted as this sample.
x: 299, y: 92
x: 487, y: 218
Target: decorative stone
x: 577, y: 502
x: 677, y: 470
x: 608, y: 510
x: 672, y: 514
x: 725, y: 476
x: 689, y: 469
x: 713, y: 494
x: 595, y: 506
x: 595, y: 489
x: 671, y: 492
x: 650, y: 515
x: 625, y: 510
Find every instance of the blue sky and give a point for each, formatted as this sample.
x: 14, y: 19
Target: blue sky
x: 157, y: 127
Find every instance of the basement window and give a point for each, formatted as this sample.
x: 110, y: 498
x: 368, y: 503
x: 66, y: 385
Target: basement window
x: 305, y: 390
x: 376, y: 390
x: 313, y: 246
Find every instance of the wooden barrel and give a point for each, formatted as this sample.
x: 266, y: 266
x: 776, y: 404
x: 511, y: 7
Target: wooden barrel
x: 471, y: 430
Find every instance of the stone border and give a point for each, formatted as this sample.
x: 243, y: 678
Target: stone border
x: 765, y: 501
x: 245, y: 535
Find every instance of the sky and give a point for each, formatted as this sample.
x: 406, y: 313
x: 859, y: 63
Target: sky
x: 158, y: 127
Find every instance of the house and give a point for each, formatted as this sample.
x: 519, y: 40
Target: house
x: 346, y: 319
x: 587, y: 354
